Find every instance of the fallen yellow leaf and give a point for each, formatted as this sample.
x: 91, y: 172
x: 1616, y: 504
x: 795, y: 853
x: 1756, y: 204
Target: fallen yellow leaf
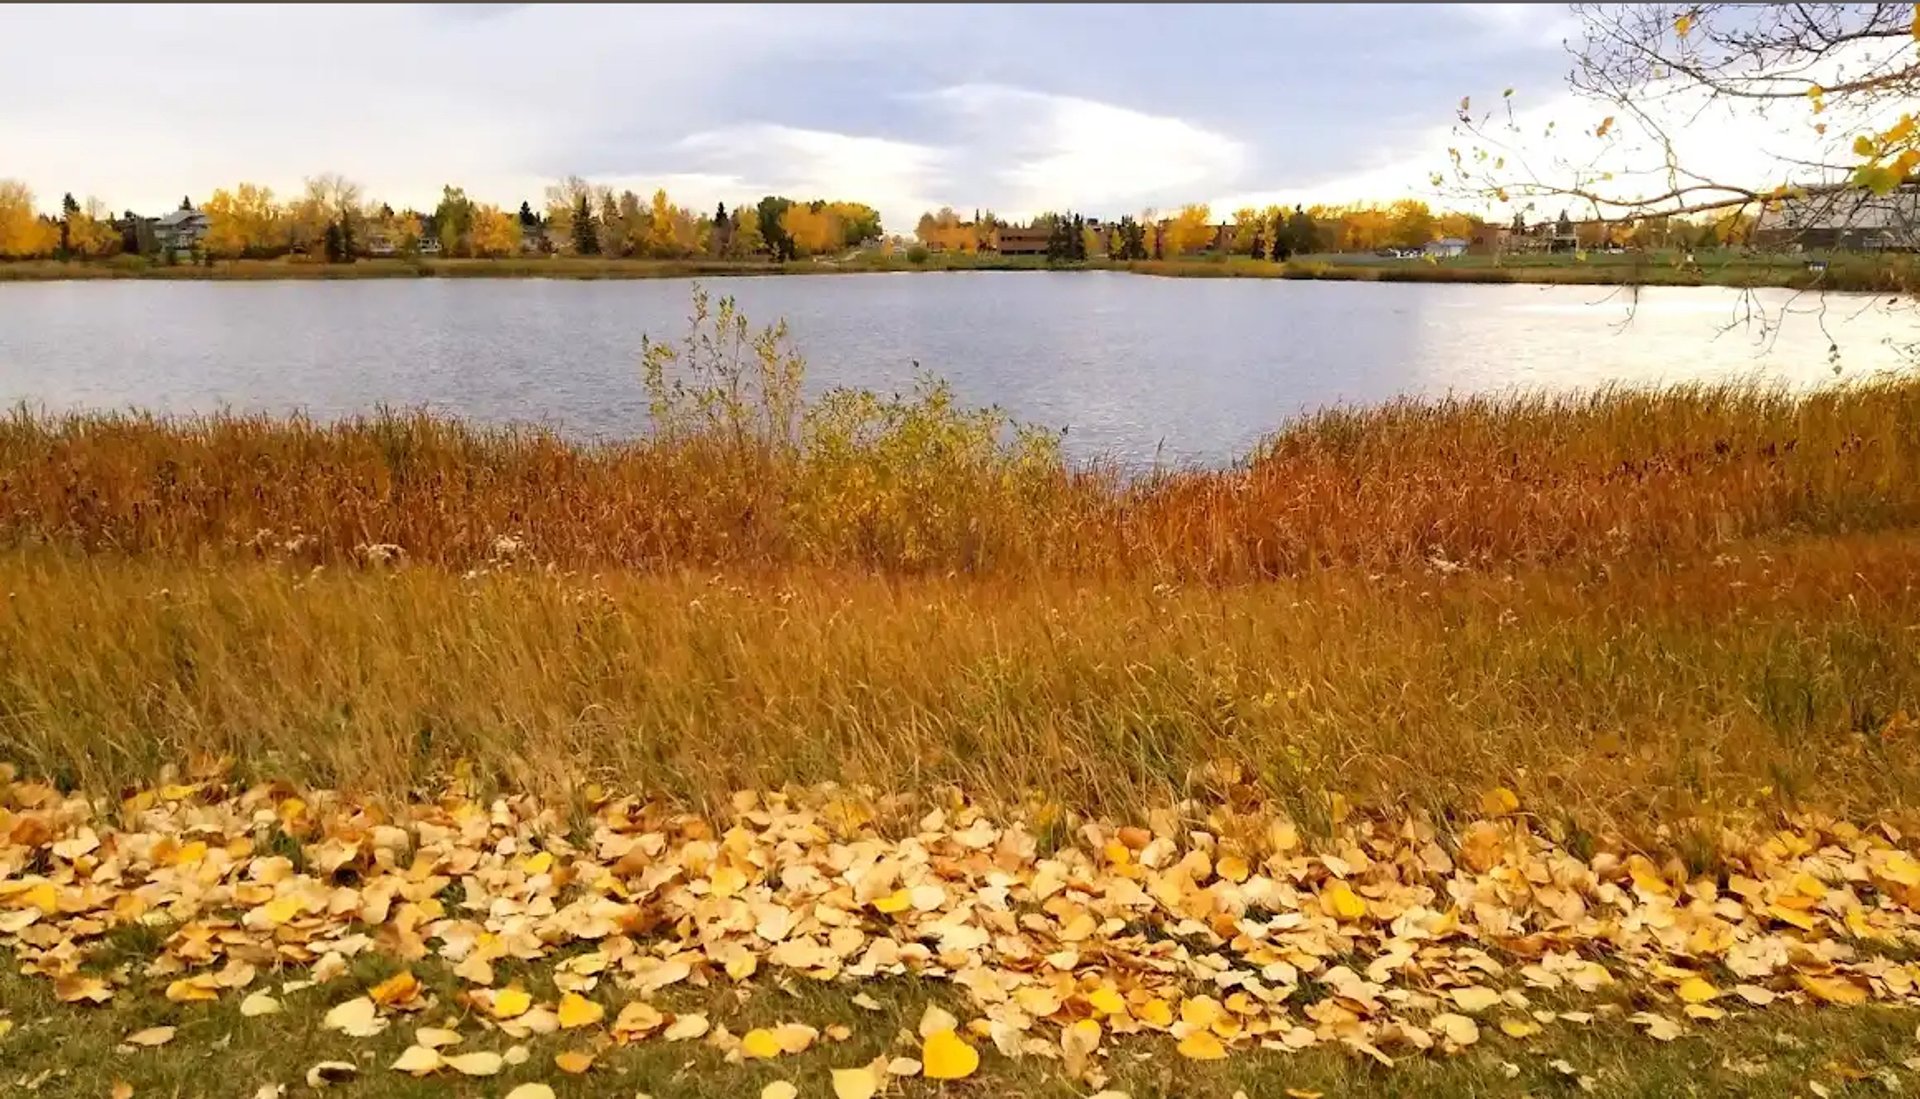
x: 779, y: 1089
x: 417, y: 1061
x: 531, y: 1091
x: 573, y: 1062
x: 1696, y: 990
x: 403, y: 987
x: 1474, y: 999
x: 357, y: 1018
x: 152, y: 1036
x: 1201, y: 1045
x: 1342, y: 903
x: 686, y: 1027
x: 759, y: 1044
x: 1498, y: 802
x: 1833, y: 990
x: 577, y: 1011
x: 477, y: 1064
x: 510, y: 1003
x: 854, y: 1083
x: 946, y: 1057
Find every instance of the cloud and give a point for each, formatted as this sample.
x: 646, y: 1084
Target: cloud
x: 752, y: 159
x: 1043, y: 151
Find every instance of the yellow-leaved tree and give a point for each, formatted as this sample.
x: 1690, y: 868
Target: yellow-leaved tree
x: 1248, y: 224
x: 746, y: 240
x: 90, y: 231
x: 495, y: 232
x: 1190, y: 230
x: 814, y: 231
x: 244, y: 220
x: 23, y: 234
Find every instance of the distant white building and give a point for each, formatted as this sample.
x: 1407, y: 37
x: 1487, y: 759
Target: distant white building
x: 1849, y: 219
x: 1446, y: 247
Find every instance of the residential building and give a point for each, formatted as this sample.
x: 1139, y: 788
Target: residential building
x: 179, y: 230
x: 1849, y: 220
x: 1013, y: 240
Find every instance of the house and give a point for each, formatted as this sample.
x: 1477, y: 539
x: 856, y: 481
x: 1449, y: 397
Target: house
x: 1848, y: 220
x: 1489, y: 240
x: 1011, y: 240
x: 179, y: 230
x: 1445, y: 247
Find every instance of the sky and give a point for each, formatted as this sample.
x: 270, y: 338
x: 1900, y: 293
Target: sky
x: 1019, y: 109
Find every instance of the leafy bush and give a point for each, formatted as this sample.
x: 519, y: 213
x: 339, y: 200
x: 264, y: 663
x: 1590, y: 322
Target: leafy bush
x: 917, y: 254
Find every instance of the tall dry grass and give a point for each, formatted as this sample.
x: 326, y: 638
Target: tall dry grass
x: 1625, y: 694
x: 738, y: 471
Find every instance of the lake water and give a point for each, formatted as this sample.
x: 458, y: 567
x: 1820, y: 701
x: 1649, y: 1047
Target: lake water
x: 1133, y: 367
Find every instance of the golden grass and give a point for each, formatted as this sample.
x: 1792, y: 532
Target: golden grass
x: 1635, y: 606
x: 916, y: 487
x: 1621, y: 693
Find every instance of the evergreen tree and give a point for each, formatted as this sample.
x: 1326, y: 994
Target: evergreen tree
x: 586, y: 242
x: 528, y: 219
x: 779, y: 242
x: 1302, y: 235
x: 68, y: 208
x: 332, y: 242
x: 348, y: 246
x: 1078, y: 247
x: 186, y: 203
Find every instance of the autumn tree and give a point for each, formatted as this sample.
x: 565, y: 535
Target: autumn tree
x: 1190, y: 230
x: 1410, y: 224
x: 1129, y: 240
x: 495, y: 232
x: 812, y: 228
x: 453, y: 220
x: 23, y: 235
x: 244, y: 221
x: 328, y: 199
x: 1247, y: 229
x: 89, y: 231
x: 1837, y: 82
x: 942, y: 230
x: 745, y: 240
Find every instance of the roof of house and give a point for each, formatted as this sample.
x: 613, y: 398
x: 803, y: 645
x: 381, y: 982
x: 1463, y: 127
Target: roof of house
x: 174, y: 218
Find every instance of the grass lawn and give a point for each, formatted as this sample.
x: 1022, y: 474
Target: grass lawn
x: 218, y: 1052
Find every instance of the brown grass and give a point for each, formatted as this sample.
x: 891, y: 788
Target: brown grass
x: 914, y: 489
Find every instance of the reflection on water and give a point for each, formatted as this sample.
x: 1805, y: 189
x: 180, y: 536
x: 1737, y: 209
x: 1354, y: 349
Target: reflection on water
x: 1190, y: 369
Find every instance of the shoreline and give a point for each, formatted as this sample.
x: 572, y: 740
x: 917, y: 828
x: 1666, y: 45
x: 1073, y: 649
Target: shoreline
x: 1845, y: 274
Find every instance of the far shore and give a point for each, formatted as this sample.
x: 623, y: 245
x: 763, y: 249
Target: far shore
x: 1735, y: 269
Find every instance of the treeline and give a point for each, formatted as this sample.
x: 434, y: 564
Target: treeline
x: 332, y: 216
x: 1277, y: 233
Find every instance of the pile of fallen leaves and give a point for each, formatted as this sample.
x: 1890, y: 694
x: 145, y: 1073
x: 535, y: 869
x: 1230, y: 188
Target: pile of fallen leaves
x: 1217, y: 927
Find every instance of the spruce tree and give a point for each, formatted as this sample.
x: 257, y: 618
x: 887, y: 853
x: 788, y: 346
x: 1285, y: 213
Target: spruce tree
x: 586, y: 242
x: 1079, y: 243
